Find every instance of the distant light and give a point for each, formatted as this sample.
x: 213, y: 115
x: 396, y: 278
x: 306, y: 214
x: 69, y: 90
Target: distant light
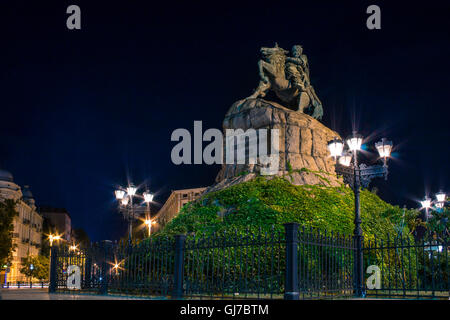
x: 354, y: 142
x: 149, y: 222
x: 426, y: 203
x: 441, y: 196
x: 119, y: 194
x: 345, y: 160
x: 336, y: 146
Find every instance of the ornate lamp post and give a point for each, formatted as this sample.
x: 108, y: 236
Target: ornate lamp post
x: 148, y: 197
x: 127, y: 206
x: 357, y: 176
x: 439, y: 204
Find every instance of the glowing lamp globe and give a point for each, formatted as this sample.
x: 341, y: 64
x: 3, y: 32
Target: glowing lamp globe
x: 384, y: 148
x: 354, y: 142
x: 336, y: 146
x: 148, y: 197
x: 345, y: 160
x: 124, y: 201
x: 119, y: 194
x: 440, y: 196
x: 131, y: 190
x: 426, y: 203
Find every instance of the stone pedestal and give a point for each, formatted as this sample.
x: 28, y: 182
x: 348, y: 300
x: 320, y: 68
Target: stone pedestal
x: 303, y: 154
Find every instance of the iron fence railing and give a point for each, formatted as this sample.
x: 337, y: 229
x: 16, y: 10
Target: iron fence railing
x: 326, y: 264
x: 239, y: 264
x: 292, y: 264
x: 407, y: 268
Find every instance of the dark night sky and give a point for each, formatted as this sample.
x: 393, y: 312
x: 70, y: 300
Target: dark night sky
x: 81, y: 110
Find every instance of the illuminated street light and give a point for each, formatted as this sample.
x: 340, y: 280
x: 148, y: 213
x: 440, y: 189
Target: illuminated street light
x: 441, y: 196
x: 426, y: 204
x: 148, y: 197
x: 335, y: 147
x: 131, y: 190
x: 354, y: 142
x: 384, y: 148
x: 345, y: 160
x: 128, y: 208
x: 149, y: 223
x: 358, y: 176
x: 73, y: 247
x: 119, y: 194
x: 52, y: 238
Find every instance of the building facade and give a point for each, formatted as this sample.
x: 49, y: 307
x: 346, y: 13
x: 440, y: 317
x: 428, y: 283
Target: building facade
x: 60, y: 219
x: 173, y: 205
x: 27, y: 234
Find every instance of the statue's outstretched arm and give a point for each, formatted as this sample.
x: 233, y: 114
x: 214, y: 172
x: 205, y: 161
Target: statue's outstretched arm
x: 294, y: 60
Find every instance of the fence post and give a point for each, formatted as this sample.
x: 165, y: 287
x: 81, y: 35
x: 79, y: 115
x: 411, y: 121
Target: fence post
x: 291, y: 276
x: 53, y: 276
x: 104, y: 273
x: 180, y: 240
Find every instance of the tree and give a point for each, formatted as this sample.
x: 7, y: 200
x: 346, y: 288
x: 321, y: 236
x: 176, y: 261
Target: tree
x: 7, y: 214
x: 36, y: 267
x: 81, y: 237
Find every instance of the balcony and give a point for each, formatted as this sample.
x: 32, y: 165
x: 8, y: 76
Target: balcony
x: 26, y: 221
x: 25, y: 240
x: 15, y: 235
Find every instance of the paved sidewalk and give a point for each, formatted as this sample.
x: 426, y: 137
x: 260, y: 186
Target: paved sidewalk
x: 42, y: 294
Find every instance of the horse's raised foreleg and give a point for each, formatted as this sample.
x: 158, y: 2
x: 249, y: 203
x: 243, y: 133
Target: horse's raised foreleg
x: 264, y: 83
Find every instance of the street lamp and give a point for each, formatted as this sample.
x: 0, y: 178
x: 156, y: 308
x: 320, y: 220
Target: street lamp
x: 441, y: 199
x: 52, y: 238
x: 149, y: 223
x: 426, y: 204
x: 358, y: 176
x: 127, y: 206
x: 439, y: 203
x: 441, y: 196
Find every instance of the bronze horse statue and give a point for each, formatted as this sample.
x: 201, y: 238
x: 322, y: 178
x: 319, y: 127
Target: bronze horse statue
x: 292, y: 89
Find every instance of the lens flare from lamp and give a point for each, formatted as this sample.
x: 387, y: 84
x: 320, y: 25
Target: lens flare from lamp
x: 345, y: 160
x: 440, y: 196
x: 426, y: 203
x: 384, y: 148
x: 354, y: 142
x: 148, y: 197
x: 131, y: 190
x: 119, y: 194
x: 336, y: 146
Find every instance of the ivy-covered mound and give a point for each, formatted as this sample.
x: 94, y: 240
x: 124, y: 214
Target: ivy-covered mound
x: 263, y: 203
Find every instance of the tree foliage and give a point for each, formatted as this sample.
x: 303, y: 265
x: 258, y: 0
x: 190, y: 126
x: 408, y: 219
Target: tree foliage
x: 81, y: 237
x: 261, y: 203
x: 40, y: 270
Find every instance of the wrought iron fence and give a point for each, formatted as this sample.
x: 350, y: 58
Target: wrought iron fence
x: 239, y: 264
x: 325, y: 264
x: 406, y: 268
x: 291, y: 264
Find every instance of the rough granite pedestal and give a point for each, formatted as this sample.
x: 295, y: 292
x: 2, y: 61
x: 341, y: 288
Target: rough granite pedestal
x: 303, y: 140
